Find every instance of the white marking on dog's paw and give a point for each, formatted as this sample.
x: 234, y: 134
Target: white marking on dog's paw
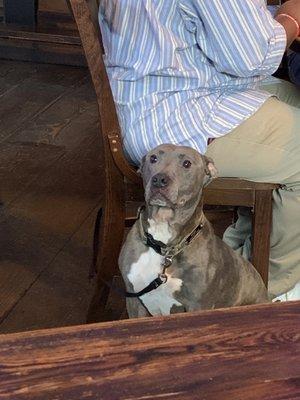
x: 161, y: 300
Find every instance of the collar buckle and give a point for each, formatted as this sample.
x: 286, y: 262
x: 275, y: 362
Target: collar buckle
x: 163, y: 278
x: 167, y: 261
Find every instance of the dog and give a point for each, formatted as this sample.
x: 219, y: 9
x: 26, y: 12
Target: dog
x: 171, y: 260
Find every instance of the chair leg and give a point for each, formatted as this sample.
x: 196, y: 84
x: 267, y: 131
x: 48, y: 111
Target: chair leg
x: 261, y: 228
x: 111, y: 237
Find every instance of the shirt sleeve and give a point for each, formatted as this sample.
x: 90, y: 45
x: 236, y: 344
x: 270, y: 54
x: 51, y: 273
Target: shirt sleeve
x: 240, y: 37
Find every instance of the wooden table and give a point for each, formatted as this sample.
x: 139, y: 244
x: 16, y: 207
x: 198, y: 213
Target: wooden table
x: 236, y: 354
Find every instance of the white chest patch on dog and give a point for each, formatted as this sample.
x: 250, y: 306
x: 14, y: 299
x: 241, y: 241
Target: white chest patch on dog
x: 144, y: 271
x: 160, y: 231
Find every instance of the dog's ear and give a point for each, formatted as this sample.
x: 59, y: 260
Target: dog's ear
x: 211, y: 171
x: 140, y: 169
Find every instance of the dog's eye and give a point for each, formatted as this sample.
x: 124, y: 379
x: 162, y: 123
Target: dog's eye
x: 187, y: 164
x: 153, y: 159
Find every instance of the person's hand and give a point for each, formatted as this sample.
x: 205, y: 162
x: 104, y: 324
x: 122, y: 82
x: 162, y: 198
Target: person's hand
x: 291, y: 8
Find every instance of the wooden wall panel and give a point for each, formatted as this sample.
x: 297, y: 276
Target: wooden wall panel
x: 53, y: 5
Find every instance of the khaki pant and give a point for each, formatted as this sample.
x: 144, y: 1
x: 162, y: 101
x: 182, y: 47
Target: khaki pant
x: 266, y: 148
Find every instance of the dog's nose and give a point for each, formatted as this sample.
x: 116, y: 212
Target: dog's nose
x: 160, y: 180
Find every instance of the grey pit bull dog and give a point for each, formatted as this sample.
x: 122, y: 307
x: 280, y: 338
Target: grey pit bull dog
x: 171, y: 260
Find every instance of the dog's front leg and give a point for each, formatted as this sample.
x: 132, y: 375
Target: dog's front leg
x: 135, y: 309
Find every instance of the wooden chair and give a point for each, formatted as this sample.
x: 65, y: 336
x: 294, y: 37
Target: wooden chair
x: 123, y: 186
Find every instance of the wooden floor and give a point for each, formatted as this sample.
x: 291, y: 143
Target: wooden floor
x: 51, y: 187
x: 50, y: 177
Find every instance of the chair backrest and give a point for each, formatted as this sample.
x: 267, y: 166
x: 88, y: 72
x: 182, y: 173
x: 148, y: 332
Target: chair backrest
x: 86, y: 16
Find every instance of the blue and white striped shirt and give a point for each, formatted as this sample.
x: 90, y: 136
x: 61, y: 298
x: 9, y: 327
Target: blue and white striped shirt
x: 183, y: 71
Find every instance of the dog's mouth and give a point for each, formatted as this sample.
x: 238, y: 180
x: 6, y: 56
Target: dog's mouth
x: 166, y: 197
x: 159, y: 199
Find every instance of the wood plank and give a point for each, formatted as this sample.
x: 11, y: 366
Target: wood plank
x: 5, y: 67
x: 12, y: 74
x: 38, y: 168
x: 40, y: 52
x: 55, y: 40
x: 244, y: 353
x: 234, y: 192
x: 34, y: 95
x: 60, y: 295
x: 220, y: 191
x: 229, y: 197
x: 36, y: 37
x: 53, y: 5
x: 63, y: 121
x: 38, y: 224
x: 262, y: 223
x: 44, y: 139
x: 49, y: 211
x: 25, y: 157
x: 49, y: 22
x: 52, y: 22
x: 239, y: 184
x: 20, y: 164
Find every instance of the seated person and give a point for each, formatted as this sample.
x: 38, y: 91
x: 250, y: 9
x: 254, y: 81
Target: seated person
x: 187, y: 71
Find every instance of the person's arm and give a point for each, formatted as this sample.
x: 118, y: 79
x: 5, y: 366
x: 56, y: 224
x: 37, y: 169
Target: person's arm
x: 240, y: 37
x: 288, y: 15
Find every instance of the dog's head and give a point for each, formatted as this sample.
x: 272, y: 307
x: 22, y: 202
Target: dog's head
x: 175, y: 175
